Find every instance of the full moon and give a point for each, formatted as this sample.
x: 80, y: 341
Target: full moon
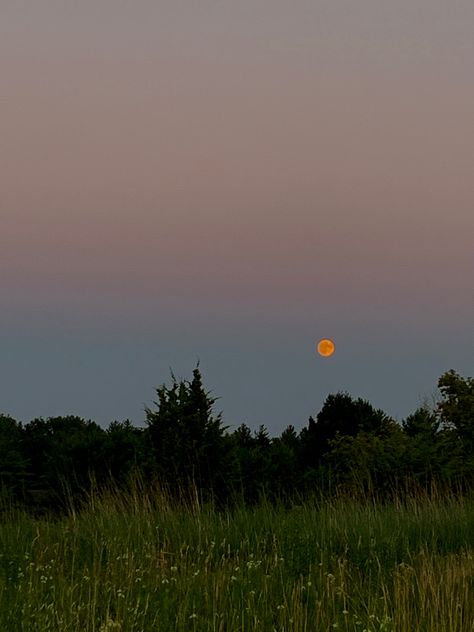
x: 326, y: 347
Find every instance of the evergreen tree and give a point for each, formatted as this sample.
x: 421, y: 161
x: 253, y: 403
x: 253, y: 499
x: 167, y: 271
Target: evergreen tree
x: 187, y: 439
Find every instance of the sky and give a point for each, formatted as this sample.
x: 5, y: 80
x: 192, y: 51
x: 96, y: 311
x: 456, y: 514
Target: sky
x: 229, y: 182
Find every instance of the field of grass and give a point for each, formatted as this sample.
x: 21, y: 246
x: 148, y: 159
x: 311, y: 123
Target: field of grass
x: 138, y: 563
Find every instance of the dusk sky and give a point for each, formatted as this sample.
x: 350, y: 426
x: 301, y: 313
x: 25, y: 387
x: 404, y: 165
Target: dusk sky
x: 231, y: 182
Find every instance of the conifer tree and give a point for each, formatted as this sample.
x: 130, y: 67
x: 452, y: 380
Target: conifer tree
x: 187, y: 439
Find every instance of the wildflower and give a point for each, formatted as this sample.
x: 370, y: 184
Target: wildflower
x: 110, y: 625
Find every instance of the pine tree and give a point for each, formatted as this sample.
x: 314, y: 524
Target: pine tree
x: 187, y: 439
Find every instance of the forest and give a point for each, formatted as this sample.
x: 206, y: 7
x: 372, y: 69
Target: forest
x: 185, y: 449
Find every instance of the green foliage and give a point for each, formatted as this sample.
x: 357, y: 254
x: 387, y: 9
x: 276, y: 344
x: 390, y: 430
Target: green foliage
x: 285, y: 464
x: 185, y: 447
x: 424, y: 455
x: 252, y: 466
x: 456, y: 413
x: 457, y: 406
x: 422, y: 423
x: 369, y: 462
x: 344, y: 415
x: 127, y: 452
x: 340, y: 415
x: 13, y: 463
x: 64, y: 453
x: 187, y: 439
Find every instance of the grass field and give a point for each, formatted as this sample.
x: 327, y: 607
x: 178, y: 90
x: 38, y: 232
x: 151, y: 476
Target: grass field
x: 138, y: 563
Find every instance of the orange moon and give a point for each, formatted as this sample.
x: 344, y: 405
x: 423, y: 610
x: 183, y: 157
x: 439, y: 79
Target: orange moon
x: 326, y: 347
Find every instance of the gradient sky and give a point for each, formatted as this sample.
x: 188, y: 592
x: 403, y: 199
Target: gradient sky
x: 232, y: 181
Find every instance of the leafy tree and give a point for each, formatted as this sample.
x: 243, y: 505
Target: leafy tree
x: 456, y: 413
x: 456, y: 409
x: 127, y: 451
x: 13, y: 464
x: 369, y: 462
x: 342, y: 415
x: 285, y: 469
x: 423, y: 456
x: 64, y: 452
x: 423, y: 422
x: 187, y: 439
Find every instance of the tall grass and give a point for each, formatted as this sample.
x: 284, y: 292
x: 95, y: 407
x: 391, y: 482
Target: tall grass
x: 138, y: 562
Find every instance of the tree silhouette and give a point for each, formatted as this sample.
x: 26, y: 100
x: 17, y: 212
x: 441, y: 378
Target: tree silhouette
x: 457, y: 406
x: 456, y: 413
x: 13, y: 463
x: 64, y: 454
x: 187, y: 439
x: 340, y: 415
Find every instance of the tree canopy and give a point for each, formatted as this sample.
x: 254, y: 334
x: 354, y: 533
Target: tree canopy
x: 184, y: 446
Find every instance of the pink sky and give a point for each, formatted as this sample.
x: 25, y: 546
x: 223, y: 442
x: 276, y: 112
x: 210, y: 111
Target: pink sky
x: 258, y: 160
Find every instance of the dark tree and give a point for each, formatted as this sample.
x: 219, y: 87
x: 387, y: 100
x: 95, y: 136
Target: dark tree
x: 66, y: 454
x: 128, y: 452
x: 13, y: 463
x: 456, y: 409
x: 369, y: 463
x: 187, y: 439
x: 285, y: 464
x: 423, y: 422
x: 340, y: 415
x: 456, y: 413
x: 252, y: 463
x: 423, y: 455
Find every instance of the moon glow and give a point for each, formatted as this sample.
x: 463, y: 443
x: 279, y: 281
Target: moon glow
x: 326, y: 347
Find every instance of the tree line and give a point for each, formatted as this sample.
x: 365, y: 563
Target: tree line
x: 349, y: 445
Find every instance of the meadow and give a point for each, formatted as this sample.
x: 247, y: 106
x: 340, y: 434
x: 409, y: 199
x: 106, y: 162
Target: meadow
x: 139, y: 562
